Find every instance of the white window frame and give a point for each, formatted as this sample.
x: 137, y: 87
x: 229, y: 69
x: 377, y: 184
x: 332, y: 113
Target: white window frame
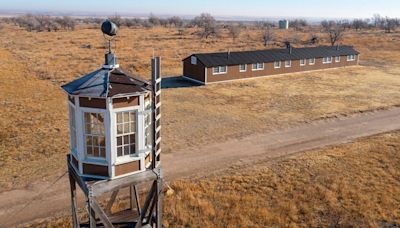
x: 219, y: 70
x: 245, y: 67
x: 87, y: 157
x: 259, y: 66
x: 73, y: 129
x: 148, y: 127
x: 337, y: 59
x: 311, y: 61
x: 288, y: 65
x: 304, y: 63
x: 128, y: 157
x: 279, y: 64
x: 351, y: 58
x: 193, y: 60
x: 327, y: 60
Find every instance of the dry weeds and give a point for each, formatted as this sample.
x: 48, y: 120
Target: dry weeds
x: 352, y: 185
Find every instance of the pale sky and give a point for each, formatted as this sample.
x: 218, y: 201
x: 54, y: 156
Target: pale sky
x: 247, y: 8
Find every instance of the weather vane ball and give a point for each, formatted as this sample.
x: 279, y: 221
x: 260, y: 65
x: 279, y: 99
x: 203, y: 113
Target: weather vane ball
x: 109, y: 28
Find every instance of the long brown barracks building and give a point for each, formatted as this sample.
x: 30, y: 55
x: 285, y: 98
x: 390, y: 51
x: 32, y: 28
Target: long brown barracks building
x: 208, y: 68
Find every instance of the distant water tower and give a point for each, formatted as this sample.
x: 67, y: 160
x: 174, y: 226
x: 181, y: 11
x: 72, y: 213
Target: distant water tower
x: 114, y: 121
x: 284, y: 24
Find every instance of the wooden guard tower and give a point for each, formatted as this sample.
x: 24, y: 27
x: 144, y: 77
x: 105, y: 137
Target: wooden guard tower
x: 115, y: 139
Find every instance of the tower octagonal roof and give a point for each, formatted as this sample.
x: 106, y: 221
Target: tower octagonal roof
x: 105, y: 82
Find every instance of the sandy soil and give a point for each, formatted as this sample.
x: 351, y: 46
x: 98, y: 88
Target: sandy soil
x: 47, y: 200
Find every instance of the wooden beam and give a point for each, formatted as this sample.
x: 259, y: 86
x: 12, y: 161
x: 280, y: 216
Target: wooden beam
x: 149, y: 218
x: 111, y: 201
x: 92, y: 216
x: 147, y: 202
x: 101, y: 187
x: 75, y: 222
x: 102, y: 215
x: 137, y: 200
x: 76, y: 176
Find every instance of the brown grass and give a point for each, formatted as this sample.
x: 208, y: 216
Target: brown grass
x: 351, y: 185
x: 34, y: 133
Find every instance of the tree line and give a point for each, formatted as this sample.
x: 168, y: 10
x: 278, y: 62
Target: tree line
x: 208, y: 26
x: 41, y: 23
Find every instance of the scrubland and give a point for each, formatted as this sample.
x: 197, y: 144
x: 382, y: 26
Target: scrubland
x: 34, y: 120
x: 351, y: 185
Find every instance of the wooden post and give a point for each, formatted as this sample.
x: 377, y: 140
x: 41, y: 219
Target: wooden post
x: 156, y: 107
x: 75, y: 222
x: 159, y: 200
x: 92, y: 215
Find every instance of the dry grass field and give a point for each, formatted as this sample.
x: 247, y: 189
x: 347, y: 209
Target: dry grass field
x: 34, y: 133
x: 350, y: 185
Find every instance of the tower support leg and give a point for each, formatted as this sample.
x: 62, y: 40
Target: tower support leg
x: 75, y: 222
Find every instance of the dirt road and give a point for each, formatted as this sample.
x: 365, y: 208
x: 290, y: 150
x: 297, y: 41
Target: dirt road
x: 211, y: 158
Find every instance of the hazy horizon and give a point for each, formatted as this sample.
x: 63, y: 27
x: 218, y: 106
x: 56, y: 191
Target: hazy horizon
x: 222, y: 9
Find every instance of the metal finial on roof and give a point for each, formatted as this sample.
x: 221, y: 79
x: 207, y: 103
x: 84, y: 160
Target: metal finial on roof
x: 109, y: 30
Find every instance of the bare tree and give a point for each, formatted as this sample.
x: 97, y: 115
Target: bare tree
x: 208, y: 25
x: 359, y: 24
x: 234, y: 31
x: 390, y: 24
x: 314, y: 39
x: 268, y: 35
x: 334, y: 29
x: 155, y: 21
x: 298, y: 24
x: 175, y: 21
x: 66, y: 23
x: 378, y: 21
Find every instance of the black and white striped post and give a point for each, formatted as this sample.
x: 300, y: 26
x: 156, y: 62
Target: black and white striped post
x: 156, y: 150
x: 156, y: 103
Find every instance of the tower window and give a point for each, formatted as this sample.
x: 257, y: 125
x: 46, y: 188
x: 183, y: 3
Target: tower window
x: 126, y: 133
x: 94, y: 135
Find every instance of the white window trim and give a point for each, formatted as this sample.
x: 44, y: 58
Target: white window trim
x: 311, y: 62
x: 130, y: 157
x: 290, y: 63
x: 74, y: 150
x: 336, y: 59
x: 303, y: 64
x: 89, y: 159
x: 258, y: 68
x: 277, y: 67
x: 245, y: 68
x: 219, y: 70
x: 147, y: 112
x: 327, y: 61
x: 351, y: 58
